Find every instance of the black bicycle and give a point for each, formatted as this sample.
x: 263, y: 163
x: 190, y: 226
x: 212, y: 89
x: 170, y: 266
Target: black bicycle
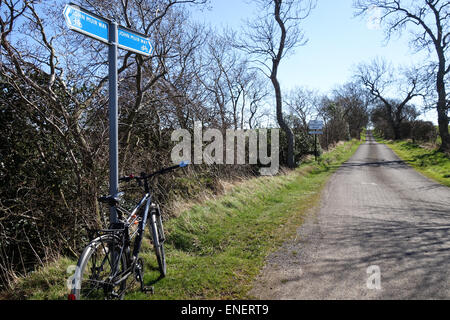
x: 112, y: 256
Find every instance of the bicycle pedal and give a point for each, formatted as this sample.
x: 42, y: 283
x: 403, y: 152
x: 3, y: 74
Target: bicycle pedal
x: 150, y: 290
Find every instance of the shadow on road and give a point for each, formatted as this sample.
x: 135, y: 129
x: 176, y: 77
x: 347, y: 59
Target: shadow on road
x: 399, y: 247
x: 391, y: 164
x: 371, y: 164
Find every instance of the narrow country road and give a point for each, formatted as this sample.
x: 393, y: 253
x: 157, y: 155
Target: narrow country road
x: 375, y: 212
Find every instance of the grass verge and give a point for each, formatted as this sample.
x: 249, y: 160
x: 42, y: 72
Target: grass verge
x: 431, y: 163
x: 215, y: 249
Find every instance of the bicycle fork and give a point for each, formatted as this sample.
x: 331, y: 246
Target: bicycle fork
x: 141, y: 229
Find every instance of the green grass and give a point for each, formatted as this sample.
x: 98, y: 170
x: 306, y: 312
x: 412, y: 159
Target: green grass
x: 215, y: 249
x: 48, y: 282
x: 431, y: 163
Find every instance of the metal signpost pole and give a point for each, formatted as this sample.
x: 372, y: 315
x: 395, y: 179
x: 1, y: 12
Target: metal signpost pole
x: 315, y: 146
x: 315, y: 128
x: 113, y: 118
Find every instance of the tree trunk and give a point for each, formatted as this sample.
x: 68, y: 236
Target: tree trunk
x: 273, y: 77
x: 396, y: 129
x: 443, y: 126
x: 442, y: 107
x: 282, y: 123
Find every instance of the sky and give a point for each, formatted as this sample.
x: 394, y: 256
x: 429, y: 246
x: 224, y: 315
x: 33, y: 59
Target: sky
x: 338, y: 42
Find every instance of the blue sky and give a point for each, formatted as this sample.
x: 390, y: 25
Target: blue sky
x: 338, y: 41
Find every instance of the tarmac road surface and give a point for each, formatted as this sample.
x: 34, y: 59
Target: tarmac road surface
x: 382, y: 232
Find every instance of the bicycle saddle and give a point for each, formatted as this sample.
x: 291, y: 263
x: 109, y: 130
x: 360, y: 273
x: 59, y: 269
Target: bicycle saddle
x: 111, y: 200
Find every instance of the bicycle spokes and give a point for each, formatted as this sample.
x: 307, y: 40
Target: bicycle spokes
x: 103, y: 271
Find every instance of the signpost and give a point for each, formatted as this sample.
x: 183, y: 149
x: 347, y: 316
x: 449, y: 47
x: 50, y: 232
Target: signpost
x: 107, y: 31
x: 315, y: 128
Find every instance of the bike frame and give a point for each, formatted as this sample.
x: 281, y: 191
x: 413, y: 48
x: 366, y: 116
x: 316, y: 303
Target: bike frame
x: 117, y: 275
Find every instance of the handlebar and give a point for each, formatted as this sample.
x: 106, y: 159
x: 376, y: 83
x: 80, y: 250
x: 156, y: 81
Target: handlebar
x: 144, y: 176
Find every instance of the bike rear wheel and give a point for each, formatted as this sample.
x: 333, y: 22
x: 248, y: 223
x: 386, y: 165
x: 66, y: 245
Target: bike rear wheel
x: 158, y: 240
x: 99, y: 270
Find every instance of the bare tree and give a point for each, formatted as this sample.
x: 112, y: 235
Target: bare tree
x: 380, y: 80
x: 269, y: 39
x: 431, y: 19
x: 256, y: 94
x: 303, y: 103
x: 215, y: 76
x: 385, y: 117
x: 336, y: 124
x: 355, y: 102
x: 233, y: 88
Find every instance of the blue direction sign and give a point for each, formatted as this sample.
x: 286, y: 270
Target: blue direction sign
x: 315, y: 125
x: 86, y: 22
x: 134, y: 41
x: 96, y: 27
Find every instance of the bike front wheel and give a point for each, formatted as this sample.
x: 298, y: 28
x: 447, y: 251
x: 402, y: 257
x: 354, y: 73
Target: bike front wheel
x: 100, y: 269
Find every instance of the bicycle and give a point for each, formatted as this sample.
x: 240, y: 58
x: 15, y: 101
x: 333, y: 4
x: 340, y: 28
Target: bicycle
x: 110, y: 259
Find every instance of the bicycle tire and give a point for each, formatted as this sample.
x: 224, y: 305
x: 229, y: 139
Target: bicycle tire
x: 158, y: 241
x: 89, y: 286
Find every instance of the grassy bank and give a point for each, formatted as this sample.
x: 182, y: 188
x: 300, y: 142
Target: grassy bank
x: 428, y: 161
x: 215, y: 249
